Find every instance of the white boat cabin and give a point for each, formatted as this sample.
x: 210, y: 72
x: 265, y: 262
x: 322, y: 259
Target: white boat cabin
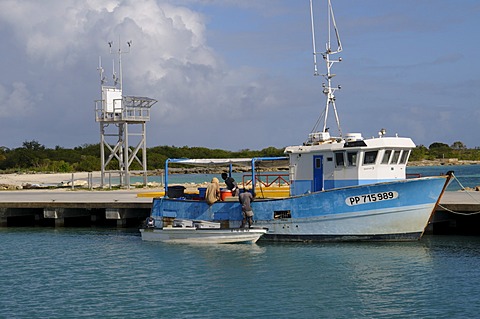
x: 324, y: 162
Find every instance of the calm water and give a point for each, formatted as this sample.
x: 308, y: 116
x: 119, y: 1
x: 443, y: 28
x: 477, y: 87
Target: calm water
x: 102, y: 273
x: 75, y: 273
x: 467, y: 175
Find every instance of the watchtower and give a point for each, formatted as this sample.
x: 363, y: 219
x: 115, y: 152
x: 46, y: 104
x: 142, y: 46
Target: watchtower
x: 122, y: 122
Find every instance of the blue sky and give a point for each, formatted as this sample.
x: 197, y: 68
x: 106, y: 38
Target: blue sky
x: 239, y: 74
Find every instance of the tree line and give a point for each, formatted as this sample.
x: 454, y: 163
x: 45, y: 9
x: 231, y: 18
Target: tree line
x: 439, y: 150
x: 35, y: 157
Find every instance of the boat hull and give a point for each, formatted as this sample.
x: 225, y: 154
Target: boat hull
x: 397, y: 223
x: 202, y: 236
x: 388, y: 211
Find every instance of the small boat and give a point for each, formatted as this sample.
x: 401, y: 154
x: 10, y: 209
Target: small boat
x: 201, y: 232
x: 341, y: 188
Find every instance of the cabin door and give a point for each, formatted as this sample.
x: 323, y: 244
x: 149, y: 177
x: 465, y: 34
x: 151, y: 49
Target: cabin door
x: 317, y: 173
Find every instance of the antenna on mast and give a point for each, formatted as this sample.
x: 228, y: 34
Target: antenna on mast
x: 118, y: 80
x: 114, y: 75
x: 103, y: 80
x: 328, y: 90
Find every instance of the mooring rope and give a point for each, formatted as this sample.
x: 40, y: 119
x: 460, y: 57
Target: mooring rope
x: 466, y: 192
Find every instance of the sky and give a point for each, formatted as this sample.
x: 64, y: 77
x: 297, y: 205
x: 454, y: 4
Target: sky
x: 238, y: 75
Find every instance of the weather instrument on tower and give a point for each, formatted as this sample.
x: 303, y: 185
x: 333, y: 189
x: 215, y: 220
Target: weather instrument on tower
x: 122, y: 122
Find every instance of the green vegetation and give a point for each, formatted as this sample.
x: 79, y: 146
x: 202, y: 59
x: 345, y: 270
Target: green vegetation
x: 438, y: 150
x: 34, y: 157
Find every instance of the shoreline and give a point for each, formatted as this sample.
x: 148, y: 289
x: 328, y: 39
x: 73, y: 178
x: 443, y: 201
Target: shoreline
x: 33, y: 180
x: 16, y: 181
x: 442, y: 162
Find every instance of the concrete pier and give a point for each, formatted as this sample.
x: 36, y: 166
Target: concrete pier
x: 458, y: 213
x: 120, y: 208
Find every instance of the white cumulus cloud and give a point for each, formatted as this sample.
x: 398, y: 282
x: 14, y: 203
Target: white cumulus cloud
x: 15, y: 101
x: 57, y: 45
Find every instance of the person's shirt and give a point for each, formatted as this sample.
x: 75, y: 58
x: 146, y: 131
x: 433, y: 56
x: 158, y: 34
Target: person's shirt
x: 231, y: 184
x: 212, y: 194
x: 245, y: 199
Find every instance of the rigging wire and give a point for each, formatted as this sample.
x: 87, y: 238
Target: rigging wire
x: 466, y: 192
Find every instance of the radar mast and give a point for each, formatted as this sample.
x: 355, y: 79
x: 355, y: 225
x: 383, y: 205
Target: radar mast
x: 328, y: 88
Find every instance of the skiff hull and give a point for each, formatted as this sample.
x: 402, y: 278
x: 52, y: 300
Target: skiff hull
x: 202, y: 236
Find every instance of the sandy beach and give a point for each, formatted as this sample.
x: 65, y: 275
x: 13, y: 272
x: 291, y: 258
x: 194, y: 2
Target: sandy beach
x: 18, y: 181
x: 52, y: 180
x: 63, y: 181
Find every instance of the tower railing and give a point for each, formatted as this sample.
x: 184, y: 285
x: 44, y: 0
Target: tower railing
x: 129, y: 108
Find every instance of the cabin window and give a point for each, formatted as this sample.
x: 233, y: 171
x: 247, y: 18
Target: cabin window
x: 370, y: 157
x: 329, y: 159
x: 396, y: 156
x: 318, y: 163
x: 339, y: 159
x: 282, y: 214
x: 352, y: 158
x: 404, y: 157
x: 386, y: 156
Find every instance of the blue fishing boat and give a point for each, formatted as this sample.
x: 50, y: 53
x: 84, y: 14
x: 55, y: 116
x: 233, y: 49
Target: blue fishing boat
x: 342, y: 188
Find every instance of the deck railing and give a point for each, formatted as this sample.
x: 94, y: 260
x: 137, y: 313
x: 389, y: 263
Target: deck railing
x: 267, y: 180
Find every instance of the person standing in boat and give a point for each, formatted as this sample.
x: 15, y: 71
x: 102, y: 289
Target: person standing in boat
x: 245, y: 200
x: 231, y: 184
x: 212, y: 194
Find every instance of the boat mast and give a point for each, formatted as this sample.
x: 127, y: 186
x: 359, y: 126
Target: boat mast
x: 328, y: 89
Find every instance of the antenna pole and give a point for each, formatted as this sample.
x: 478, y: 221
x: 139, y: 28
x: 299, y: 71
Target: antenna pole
x: 329, y: 25
x: 119, y: 79
x: 101, y: 70
x: 315, y: 69
x: 120, y: 62
x: 114, y: 74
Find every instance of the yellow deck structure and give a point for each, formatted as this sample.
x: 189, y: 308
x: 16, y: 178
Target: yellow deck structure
x: 262, y: 192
